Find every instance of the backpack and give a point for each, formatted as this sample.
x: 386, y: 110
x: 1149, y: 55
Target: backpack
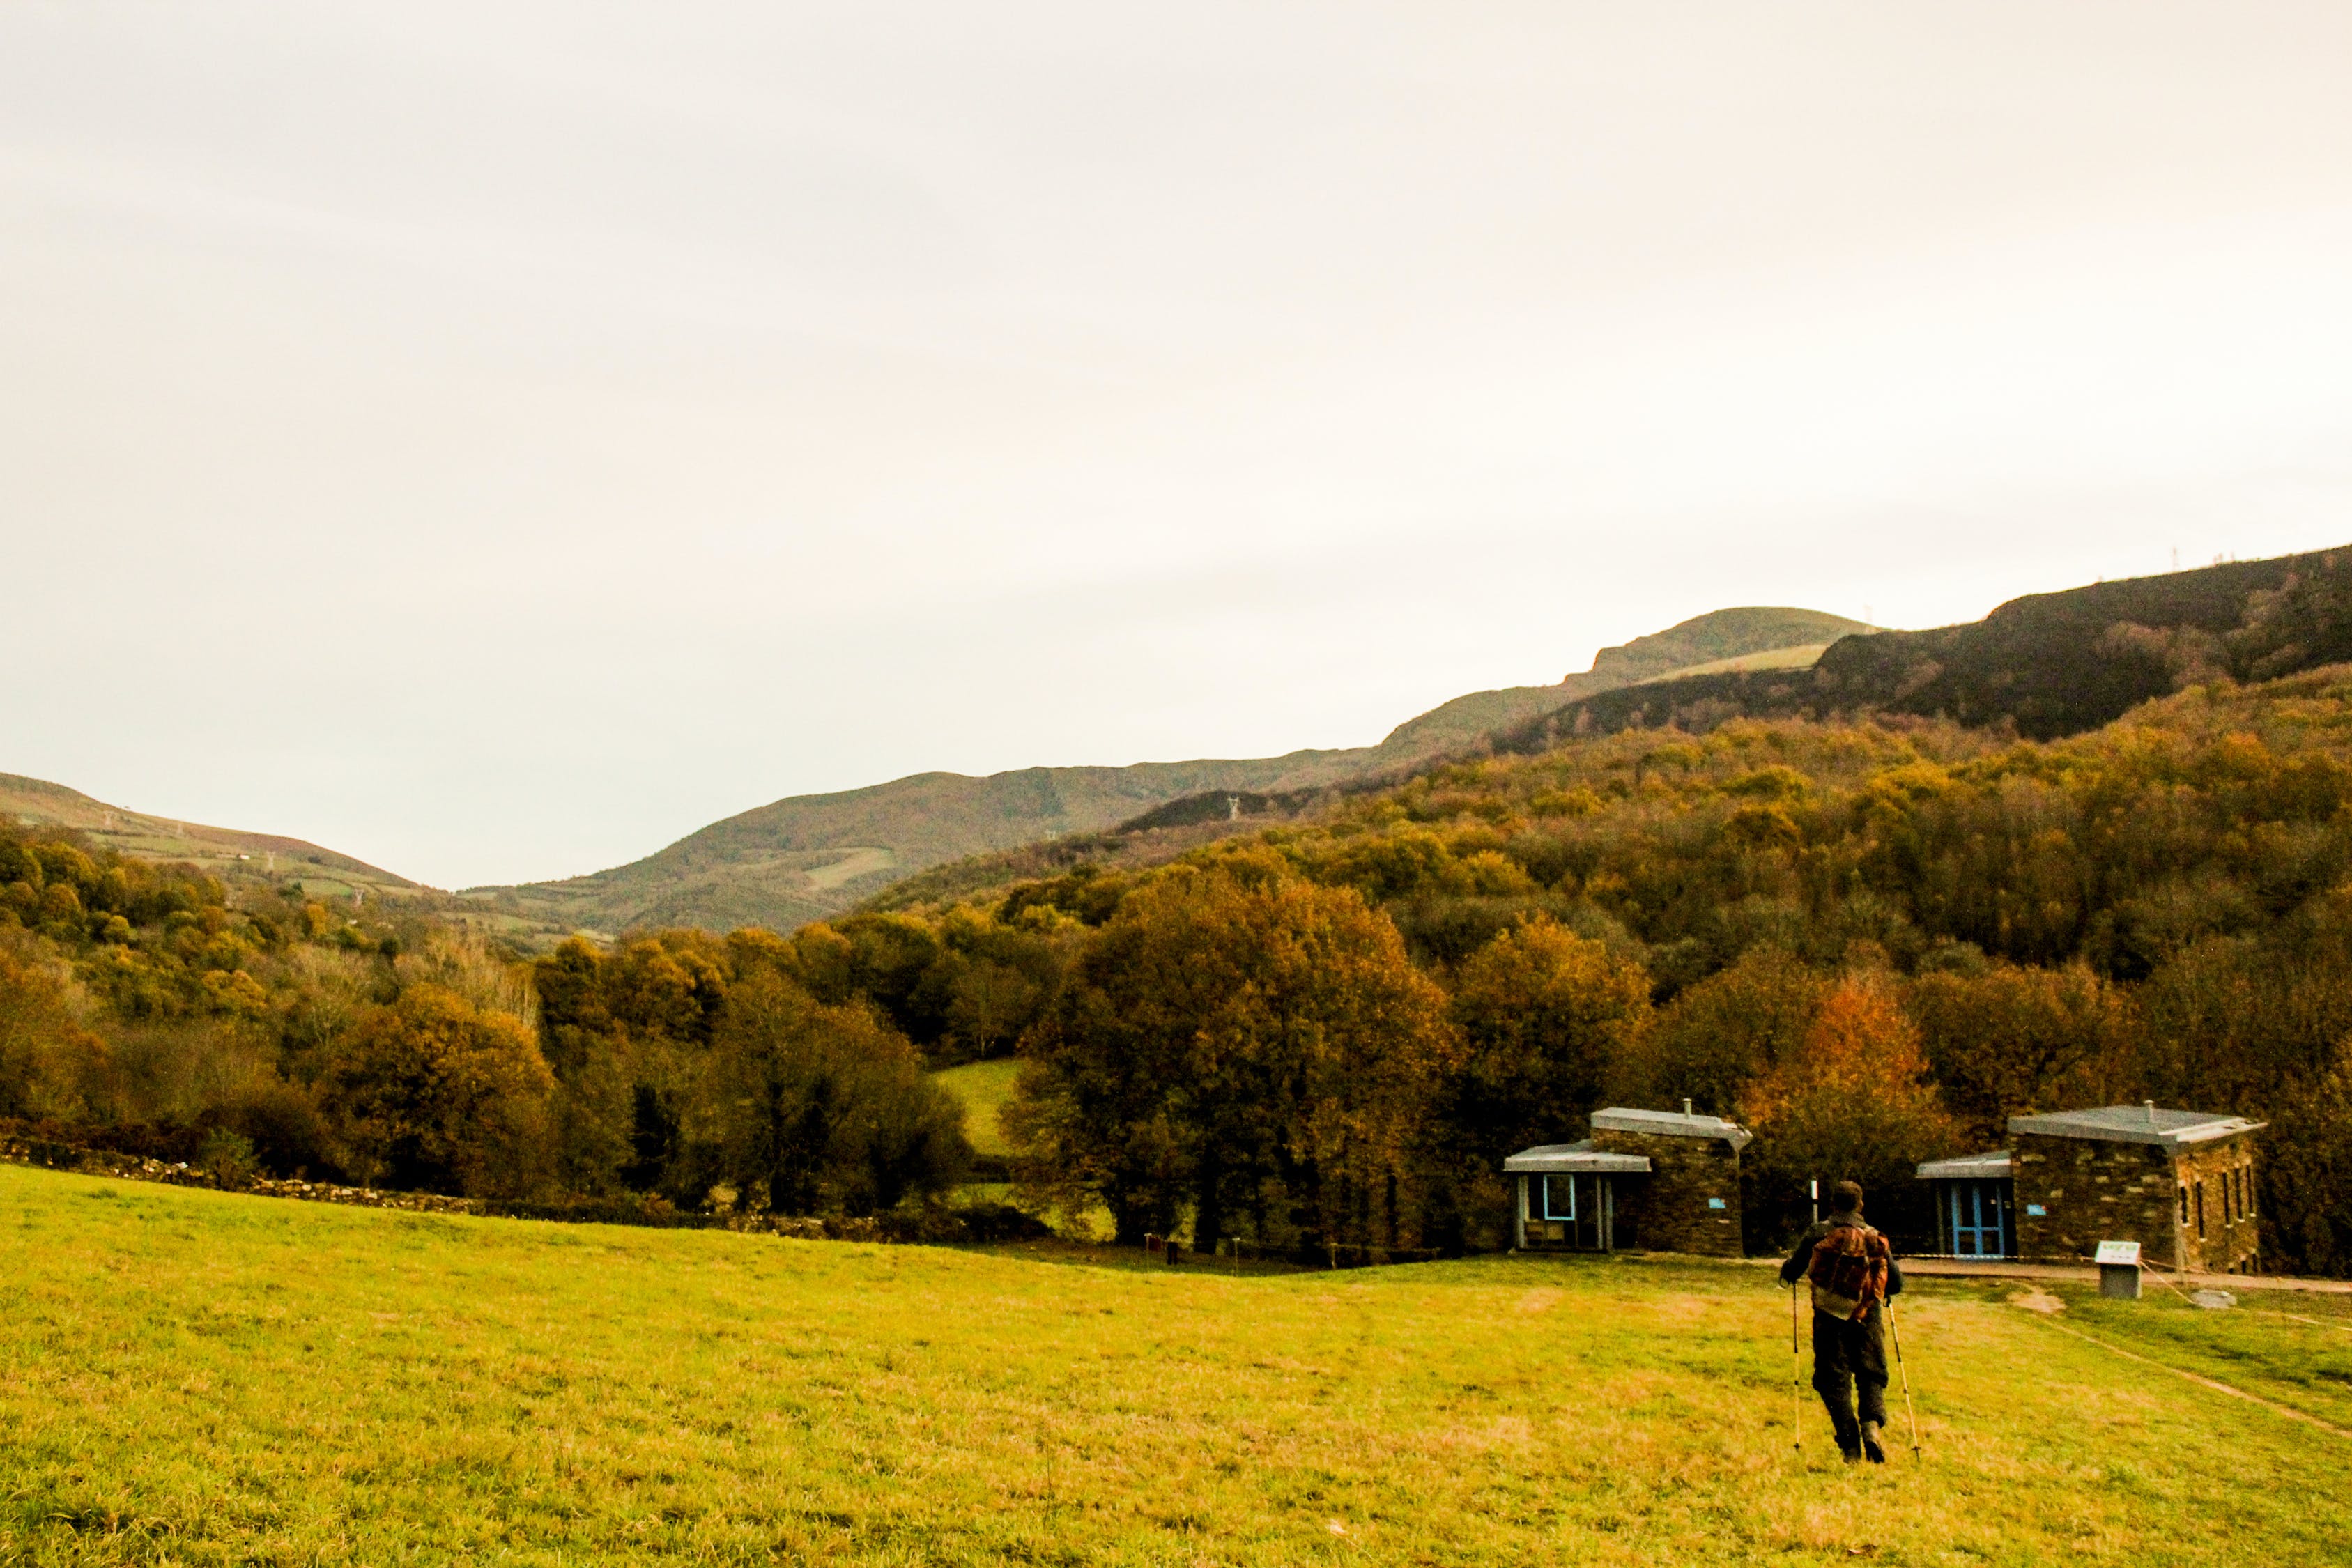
x: 1848, y: 1271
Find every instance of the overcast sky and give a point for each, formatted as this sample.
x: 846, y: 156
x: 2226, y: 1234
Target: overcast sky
x: 495, y: 439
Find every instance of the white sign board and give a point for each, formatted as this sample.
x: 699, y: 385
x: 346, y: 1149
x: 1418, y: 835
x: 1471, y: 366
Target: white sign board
x: 2118, y: 1252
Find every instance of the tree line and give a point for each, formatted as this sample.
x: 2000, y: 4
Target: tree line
x: 1871, y: 943
x: 164, y: 1011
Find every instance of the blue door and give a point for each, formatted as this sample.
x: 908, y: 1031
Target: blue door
x: 1978, y: 1218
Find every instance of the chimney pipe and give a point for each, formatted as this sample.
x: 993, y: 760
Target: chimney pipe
x: 1686, y: 1109
x: 2151, y: 1112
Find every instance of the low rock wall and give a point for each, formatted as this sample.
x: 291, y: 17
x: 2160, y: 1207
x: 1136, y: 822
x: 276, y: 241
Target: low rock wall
x: 991, y: 1223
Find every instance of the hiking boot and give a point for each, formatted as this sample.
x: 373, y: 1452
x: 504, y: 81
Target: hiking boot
x: 1853, y: 1456
x: 1876, y: 1455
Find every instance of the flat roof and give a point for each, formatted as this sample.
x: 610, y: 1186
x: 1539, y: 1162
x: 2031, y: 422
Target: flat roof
x: 2135, y: 1124
x: 1980, y: 1167
x: 1576, y: 1159
x: 1671, y: 1124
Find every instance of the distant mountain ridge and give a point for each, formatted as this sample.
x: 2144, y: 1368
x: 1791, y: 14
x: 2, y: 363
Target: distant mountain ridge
x: 2047, y: 665
x: 36, y: 802
x: 805, y: 857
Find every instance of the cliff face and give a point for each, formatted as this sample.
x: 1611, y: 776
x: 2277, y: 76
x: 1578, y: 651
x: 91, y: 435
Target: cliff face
x: 2049, y: 665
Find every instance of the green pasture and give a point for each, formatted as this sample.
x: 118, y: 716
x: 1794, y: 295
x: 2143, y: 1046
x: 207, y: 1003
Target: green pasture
x: 187, y: 1377
x: 984, y: 1089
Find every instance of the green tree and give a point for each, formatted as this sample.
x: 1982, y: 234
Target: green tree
x: 1238, y: 1042
x: 822, y: 1109
x: 1546, y: 1017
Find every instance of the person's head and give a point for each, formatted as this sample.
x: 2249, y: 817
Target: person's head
x: 1849, y: 1197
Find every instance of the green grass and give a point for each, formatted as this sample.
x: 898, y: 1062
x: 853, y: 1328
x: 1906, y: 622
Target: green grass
x: 983, y: 1087
x: 190, y: 1378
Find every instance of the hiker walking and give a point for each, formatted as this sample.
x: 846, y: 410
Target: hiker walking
x: 1851, y: 1272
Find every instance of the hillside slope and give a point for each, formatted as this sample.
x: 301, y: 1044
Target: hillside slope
x: 36, y: 802
x: 2047, y: 665
x: 1747, y: 635
x: 805, y: 857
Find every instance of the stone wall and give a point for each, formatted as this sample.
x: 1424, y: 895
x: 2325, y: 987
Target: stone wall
x: 2093, y: 1190
x: 943, y: 1227
x: 1668, y: 1209
x: 2228, y: 1242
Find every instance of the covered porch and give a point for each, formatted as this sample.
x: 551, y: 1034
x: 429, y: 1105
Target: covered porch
x: 1976, y: 1204
x: 1568, y: 1196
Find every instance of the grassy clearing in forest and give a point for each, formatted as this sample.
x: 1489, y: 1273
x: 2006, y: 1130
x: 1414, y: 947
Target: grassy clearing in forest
x: 984, y: 1089
x: 187, y: 1377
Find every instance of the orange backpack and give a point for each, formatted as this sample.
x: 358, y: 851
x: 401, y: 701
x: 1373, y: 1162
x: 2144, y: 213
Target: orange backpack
x: 1848, y: 1271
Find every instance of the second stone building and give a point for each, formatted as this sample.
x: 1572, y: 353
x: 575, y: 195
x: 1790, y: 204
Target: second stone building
x: 1660, y: 1180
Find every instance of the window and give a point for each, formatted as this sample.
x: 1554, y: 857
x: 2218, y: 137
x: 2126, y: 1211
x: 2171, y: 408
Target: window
x: 2246, y: 1186
x: 2184, y: 1203
x: 2201, y: 1211
x: 1559, y: 1197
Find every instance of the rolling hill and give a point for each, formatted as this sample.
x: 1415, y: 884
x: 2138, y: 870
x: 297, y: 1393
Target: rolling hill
x: 2042, y: 667
x: 805, y: 857
x: 2047, y: 665
x: 35, y: 803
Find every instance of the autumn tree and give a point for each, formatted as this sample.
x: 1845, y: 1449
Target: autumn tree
x: 2305, y: 1175
x: 2011, y: 1039
x: 1718, y: 1035
x: 435, y: 1093
x: 49, y: 1058
x: 1243, y: 1044
x: 1854, y: 1102
x: 1546, y: 1018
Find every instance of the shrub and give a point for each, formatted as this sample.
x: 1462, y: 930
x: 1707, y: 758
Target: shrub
x: 227, y: 1158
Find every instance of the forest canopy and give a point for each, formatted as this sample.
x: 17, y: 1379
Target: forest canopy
x: 1871, y: 943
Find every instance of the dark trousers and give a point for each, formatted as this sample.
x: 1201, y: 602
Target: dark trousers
x: 1850, y: 1356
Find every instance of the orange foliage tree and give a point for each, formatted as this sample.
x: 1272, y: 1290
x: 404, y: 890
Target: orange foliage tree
x: 1852, y: 1103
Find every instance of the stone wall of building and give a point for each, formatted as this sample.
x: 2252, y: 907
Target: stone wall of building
x: 2091, y: 1191
x: 1669, y: 1208
x: 2226, y: 1241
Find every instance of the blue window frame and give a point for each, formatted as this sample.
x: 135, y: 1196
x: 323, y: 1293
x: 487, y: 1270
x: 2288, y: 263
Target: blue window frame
x: 1559, y: 1197
x: 1978, y: 1218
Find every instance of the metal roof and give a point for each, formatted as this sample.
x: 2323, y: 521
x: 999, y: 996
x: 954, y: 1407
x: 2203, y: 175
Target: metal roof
x: 1979, y: 1166
x: 2145, y: 1123
x: 1671, y: 1124
x: 1576, y: 1159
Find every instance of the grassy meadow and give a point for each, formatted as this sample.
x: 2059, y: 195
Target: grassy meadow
x: 984, y: 1090
x: 187, y: 1377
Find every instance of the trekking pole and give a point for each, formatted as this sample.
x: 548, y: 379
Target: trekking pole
x: 1796, y: 1369
x: 1908, y: 1408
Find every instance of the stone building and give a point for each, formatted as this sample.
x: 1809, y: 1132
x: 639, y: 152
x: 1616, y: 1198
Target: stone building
x: 1660, y: 1180
x: 2180, y: 1182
